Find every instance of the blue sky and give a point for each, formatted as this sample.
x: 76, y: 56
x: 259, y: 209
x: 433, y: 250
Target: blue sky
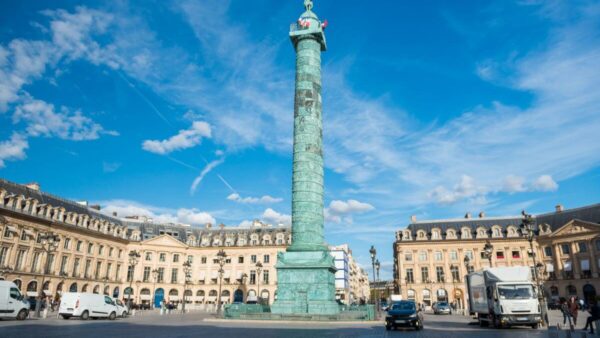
x: 182, y: 110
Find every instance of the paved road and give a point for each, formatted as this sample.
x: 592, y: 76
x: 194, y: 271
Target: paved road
x: 195, y: 325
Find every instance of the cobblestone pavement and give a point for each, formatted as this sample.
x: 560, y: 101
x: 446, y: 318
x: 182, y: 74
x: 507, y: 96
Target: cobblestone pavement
x: 202, y: 325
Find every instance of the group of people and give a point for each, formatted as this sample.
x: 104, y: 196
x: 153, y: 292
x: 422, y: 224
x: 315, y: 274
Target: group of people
x: 570, y: 310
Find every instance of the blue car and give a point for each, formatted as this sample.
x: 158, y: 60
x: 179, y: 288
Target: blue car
x: 404, y: 314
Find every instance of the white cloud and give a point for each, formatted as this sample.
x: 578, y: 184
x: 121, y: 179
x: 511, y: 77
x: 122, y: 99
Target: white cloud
x: 186, y: 138
x: 42, y: 119
x: 110, y: 167
x: 273, y: 217
x: 266, y: 199
x: 125, y: 208
x: 13, y: 149
x: 513, y: 183
x: 465, y: 188
x: 545, y: 183
x: 209, y: 167
x: 339, y: 211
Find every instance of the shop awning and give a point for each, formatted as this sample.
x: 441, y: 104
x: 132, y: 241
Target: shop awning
x: 211, y: 298
x: 32, y: 293
x: 145, y: 297
x: 200, y: 298
x: 173, y: 297
x: 224, y: 298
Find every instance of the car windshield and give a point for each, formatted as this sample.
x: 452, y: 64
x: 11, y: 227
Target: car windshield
x: 515, y: 291
x: 443, y: 304
x: 404, y: 306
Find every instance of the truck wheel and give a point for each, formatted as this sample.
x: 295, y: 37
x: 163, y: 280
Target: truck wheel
x: 22, y: 315
x: 112, y: 316
x: 85, y: 315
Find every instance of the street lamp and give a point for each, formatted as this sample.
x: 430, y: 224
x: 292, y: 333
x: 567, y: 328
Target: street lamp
x: 49, y: 243
x: 488, y: 251
x: 221, y: 256
x: 154, y: 278
x: 187, y: 269
x: 134, y: 258
x: 373, y: 253
x: 259, y: 268
x: 528, y: 230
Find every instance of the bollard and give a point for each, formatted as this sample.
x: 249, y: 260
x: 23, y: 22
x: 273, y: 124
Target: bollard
x: 133, y: 313
x: 45, y: 313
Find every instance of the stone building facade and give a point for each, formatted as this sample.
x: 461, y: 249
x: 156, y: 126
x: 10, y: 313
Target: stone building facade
x: 429, y: 256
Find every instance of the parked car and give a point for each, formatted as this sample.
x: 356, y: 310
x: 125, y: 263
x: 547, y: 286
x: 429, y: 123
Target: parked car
x: 87, y: 305
x: 404, y: 314
x: 122, y: 309
x: 440, y: 308
x: 12, y: 303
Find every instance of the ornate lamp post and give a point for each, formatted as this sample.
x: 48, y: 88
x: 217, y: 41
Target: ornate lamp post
x: 134, y: 258
x: 187, y: 269
x: 154, y: 278
x: 528, y: 230
x: 49, y: 243
x: 221, y: 256
x: 259, y: 268
x: 373, y: 254
x: 488, y: 251
x: 377, y: 280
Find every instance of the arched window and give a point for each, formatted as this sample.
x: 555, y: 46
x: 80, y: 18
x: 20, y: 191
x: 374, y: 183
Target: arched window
x: 571, y: 290
x: 200, y: 293
x: 554, y: 291
x: 73, y: 287
x: 32, y: 286
x: 411, y: 295
x: 465, y: 233
x: 18, y: 283
x: 96, y: 289
x: 173, y: 292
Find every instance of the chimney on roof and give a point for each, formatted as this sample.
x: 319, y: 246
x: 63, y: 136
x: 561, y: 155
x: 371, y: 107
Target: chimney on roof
x: 208, y: 225
x: 114, y: 214
x: 468, y: 215
x: 413, y: 218
x: 559, y: 208
x: 95, y: 207
x: 33, y: 186
x: 482, y: 214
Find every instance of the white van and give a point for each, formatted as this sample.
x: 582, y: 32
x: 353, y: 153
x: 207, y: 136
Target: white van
x: 86, y: 305
x: 122, y: 309
x: 12, y: 304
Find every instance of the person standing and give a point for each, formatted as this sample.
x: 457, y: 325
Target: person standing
x: 574, y: 309
x: 594, y: 316
x: 564, y: 308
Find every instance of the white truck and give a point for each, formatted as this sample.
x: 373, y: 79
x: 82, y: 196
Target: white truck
x: 12, y: 304
x: 502, y: 297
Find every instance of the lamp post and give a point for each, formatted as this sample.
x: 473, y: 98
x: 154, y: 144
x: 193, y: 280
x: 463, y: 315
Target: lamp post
x: 134, y: 258
x: 488, y: 251
x: 187, y: 269
x: 221, y: 256
x: 259, y: 268
x: 529, y: 231
x: 373, y: 254
x: 49, y: 243
x: 377, y: 281
x: 154, y: 278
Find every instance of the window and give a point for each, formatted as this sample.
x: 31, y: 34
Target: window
x: 241, y: 259
x: 110, y: 252
x: 20, y: 259
x: 107, y: 300
x: 470, y: 269
x: 23, y: 235
x: 203, y: 260
x: 266, y: 277
x: 453, y: 255
x: 438, y: 256
x: 408, y: 256
x: 76, y: 267
x: 63, y: 265
x: 499, y: 254
x: 266, y: 258
x: 469, y: 254
x: 101, y: 250
x: 516, y: 254
x: 548, y: 251
x: 67, y: 244
x: 598, y: 245
x: 410, y: 278
x: 148, y: 256
x: 130, y: 273
x: 190, y: 259
x: 118, y: 273
x: 35, y: 262
x: 98, y: 268
x: 7, y: 232
x: 161, y: 275
x: 439, y: 273
x: 565, y: 249
x: 108, y: 268
x: 422, y: 256
x: 424, y: 274
x: 175, y: 258
x: 79, y: 245
x: 482, y: 255
x: 582, y: 247
x: 90, y: 248
x: 162, y: 257
x: 497, y: 232
x: 252, y: 277
x: 455, y: 273
x: 120, y: 253
x: 253, y: 258
x: 50, y: 263
x: 3, y: 255
x: 146, y: 276
x: 88, y: 264
x: 14, y: 293
x: 174, y: 276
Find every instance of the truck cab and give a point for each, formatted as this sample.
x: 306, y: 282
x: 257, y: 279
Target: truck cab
x: 12, y: 302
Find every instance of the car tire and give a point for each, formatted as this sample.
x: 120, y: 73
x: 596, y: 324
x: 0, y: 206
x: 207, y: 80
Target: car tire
x: 417, y: 326
x: 124, y: 314
x: 65, y: 316
x: 112, y: 316
x: 388, y: 327
x: 85, y: 315
x: 535, y: 326
x: 22, y: 315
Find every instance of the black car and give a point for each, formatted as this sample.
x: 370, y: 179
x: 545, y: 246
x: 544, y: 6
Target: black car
x: 404, y: 314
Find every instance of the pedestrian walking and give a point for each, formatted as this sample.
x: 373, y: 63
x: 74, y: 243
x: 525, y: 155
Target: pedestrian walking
x: 574, y: 309
x: 594, y: 316
x: 564, y: 308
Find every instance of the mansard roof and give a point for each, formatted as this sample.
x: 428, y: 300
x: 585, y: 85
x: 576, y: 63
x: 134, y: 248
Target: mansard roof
x: 588, y: 213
